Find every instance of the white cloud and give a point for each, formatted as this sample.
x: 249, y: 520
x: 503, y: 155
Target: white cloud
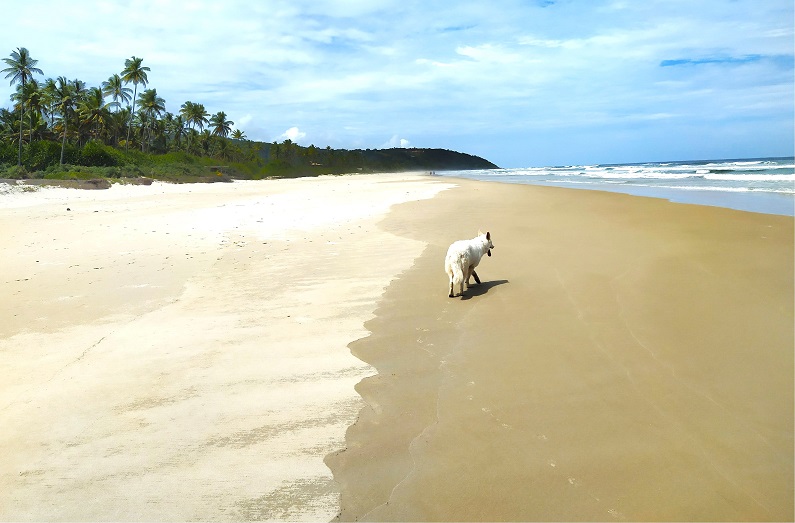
x: 394, y: 142
x: 244, y: 120
x: 294, y: 134
x: 489, y: 53
x: 549, y: 43
x: 425, y: 61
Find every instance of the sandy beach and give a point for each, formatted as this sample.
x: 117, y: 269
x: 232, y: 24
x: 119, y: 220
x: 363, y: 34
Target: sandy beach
x: 179, y: 352
x: 286, y: 350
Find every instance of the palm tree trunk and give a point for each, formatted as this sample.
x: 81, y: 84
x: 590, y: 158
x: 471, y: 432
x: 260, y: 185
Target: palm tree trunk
x: 21, y: 122
x: 132, y: 114
x: 63, y: 140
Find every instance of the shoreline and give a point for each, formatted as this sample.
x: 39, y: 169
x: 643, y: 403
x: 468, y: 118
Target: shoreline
x: 762, y: 185
x: 777, y: 204
x: 756, y: 202
x: 210, y: 352
x: 760, y: 202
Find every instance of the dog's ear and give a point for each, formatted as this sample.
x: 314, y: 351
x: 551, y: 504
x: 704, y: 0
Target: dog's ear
x: 488, y: 236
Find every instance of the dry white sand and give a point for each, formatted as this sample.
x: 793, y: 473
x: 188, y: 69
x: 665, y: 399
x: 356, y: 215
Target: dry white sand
x: 179, y: 352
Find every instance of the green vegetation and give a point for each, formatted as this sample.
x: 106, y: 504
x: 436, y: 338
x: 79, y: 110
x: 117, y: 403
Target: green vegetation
x: 62, y: 129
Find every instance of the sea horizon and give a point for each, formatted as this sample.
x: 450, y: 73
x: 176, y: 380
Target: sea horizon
x: 763, y: 185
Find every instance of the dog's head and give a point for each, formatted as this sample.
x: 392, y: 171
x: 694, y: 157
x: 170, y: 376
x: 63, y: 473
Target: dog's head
x: 488, y: 242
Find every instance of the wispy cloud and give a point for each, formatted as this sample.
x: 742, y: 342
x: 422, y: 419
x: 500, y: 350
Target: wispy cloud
x: 729, y: 60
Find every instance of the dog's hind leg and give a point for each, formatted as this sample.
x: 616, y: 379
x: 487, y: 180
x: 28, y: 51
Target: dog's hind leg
x: 453, y: 275
x: 477, y: 280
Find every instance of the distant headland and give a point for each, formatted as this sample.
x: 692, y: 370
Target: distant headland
x: 96, y: 165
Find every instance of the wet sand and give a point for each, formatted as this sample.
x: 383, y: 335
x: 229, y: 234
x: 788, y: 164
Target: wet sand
x: 625, y: 359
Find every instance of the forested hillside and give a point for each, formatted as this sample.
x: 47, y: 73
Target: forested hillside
x: 65, y: 129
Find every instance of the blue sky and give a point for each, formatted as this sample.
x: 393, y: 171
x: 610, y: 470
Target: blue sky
x: 519, y: 82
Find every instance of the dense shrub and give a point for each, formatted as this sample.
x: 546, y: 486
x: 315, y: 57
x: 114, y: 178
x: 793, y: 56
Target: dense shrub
x: 173, y: 157
x: 14, y: 172
x: 70, y: 172
x: 132, y: 157
x: 95, y: 154
x: 44, y: 153
x: 8, y: 153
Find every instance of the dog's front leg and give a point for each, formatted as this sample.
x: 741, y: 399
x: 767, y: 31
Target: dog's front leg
x: 477, y: 280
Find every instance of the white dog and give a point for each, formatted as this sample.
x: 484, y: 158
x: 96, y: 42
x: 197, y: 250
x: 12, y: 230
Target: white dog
x: 462, y: 258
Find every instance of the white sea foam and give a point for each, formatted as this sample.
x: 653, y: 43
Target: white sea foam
x: 754, y: 178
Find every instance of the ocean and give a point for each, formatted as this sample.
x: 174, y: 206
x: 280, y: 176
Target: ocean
x: 762, y: 185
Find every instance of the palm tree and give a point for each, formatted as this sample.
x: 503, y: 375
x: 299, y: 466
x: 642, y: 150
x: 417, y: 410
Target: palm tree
x: 79, y: 92
x: 221, y: 126
x: 28, y: 97
x: 179, y: 129
x: 38, y: 125
x: 151, y: 103
x: 205, y: 141
x: 174, y: 127
x: 224, y: 150
x: 65, y: 103
x: 237, y: 134
x: 200, y: 116
x: 141, y: 124
x: 185, y: 110
x: 116, y: 123
x: 134, y: 73
x: 93, y: 109
x: 50, y: 99
x: 6, y: 123
x: 114, y: 87
x: 152, y: 106
x: 192, y: 146
x: 21, y: 68
x: 194, y: 114
x: 34, y: 101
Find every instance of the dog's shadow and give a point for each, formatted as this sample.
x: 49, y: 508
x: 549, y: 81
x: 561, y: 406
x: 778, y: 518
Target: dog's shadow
x: 479, y: 289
